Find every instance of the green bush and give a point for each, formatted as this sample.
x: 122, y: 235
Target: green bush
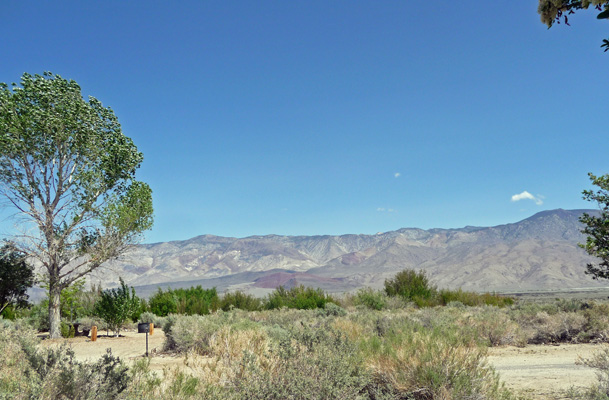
x: 331, y: 309
x: 116, y: 306
x: 191, y: 301
x: 67, y: 330
x: 298, y: 297
x: 163, y: 303
x: 368, y: 297
x: 240, y: 300
x: 473, y: 299
x: 410, y: 285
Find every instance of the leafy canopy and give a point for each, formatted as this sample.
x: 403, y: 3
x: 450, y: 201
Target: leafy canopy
x: 66, y: 167
x: 553, y: 11
x: 597, y: 227
x: 69, y: 172
x: 16, y: 276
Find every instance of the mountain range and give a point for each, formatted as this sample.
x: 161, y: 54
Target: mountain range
x: 537, y: 253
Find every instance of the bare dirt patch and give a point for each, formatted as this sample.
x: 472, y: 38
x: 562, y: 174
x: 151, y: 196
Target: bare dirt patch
x: 544, y: 371
x: 130, y: 346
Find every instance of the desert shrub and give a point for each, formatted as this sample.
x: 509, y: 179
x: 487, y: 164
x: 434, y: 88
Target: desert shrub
x: 310, y: 364
x: 542, y: 327
x: 14, y: 379
x: 148, y: 317
x: 193, y: 333
x: 331, y: 309
x: 298, y: 297
x: 64, y: 377
x: 370, y: 298
x: 30, y: 372
x: 410, y: 285
x: 600, y: 390
x: 409, y: 362
x: 240, y: 300
x: 492, y: 327
x: 597, y: 322
x: 473, y: 299
x: 89, y: 322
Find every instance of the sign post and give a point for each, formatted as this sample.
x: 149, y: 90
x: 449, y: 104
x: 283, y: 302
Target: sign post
x: 144, y: 327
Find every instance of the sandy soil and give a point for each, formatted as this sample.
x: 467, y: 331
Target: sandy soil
x: 545, y: 371
x: 539, y: 372
x: 130, y: 346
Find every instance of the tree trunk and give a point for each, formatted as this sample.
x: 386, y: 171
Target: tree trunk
x: 54, y: 311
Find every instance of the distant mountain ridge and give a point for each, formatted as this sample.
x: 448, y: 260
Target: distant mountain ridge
x: 538, y: 253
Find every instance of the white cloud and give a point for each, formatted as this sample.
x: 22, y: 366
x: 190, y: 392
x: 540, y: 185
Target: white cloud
x: 397, y: 175
x: 528, y: 196
x: 381, y: 209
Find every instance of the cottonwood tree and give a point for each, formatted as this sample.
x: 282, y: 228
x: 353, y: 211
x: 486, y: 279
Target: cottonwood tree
x: 555, y: 11
x: 16, y: 277
x: 69, y: 173
x: 597, y: 227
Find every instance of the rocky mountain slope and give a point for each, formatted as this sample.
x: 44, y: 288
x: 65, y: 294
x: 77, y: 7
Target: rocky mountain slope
x: 537, y: 253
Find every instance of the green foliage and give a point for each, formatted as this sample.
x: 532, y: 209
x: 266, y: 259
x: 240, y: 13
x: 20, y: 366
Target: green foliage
x: 240, y: 300
x: 414, y: 286
x: 16, y: 277
x: 67, y: 330
x: 597, y: 227
x: 473, y: 299
x: 191, y: 301
x: 163, y: 303
x: 117, y: 305
x: 196, y: 300
x: 370, y: 298
x: 298, y: 297
x: 410, y: 285
x: 65, y: 160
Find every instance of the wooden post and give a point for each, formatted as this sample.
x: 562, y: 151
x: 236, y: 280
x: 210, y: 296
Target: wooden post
x: 93, y: 333
x: 151, y: 328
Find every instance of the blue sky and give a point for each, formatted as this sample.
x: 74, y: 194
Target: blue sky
x: 332, y: 117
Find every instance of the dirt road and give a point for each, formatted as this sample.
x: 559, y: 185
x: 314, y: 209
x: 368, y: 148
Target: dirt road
x: 545, y: 371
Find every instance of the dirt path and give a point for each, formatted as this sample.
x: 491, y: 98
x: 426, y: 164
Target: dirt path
x: 539, y: 372
x: 131, y: 346
x: 544, y: 372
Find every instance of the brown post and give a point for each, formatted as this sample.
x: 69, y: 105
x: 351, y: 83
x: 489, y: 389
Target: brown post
x: 151, y: 328
x: 93, y: 333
